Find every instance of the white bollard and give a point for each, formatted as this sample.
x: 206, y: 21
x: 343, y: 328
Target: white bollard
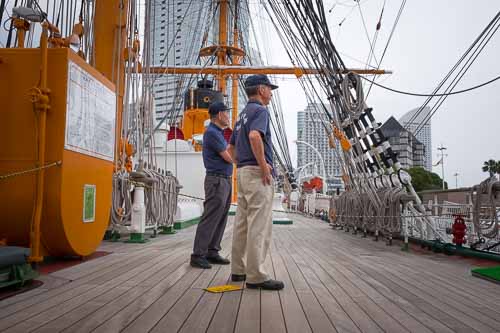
x: 138, y: 211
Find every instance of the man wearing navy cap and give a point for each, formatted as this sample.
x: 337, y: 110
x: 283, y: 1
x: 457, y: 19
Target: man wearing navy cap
x: 219, y: 169
x: 254, y: 156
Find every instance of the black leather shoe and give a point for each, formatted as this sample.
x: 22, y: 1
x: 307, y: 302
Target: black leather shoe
x: 238, y: 277
x: 217, y: 259
x: 200, y: 262
x: 267, y: 285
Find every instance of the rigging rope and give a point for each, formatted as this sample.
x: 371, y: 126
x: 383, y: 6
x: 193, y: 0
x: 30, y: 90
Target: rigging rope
x: 433, y: 95
x: 465, y: 57
x: 367, y: 155
x: 403, y: 3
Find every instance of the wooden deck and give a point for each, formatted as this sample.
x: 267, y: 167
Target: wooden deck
x: 334, y: 282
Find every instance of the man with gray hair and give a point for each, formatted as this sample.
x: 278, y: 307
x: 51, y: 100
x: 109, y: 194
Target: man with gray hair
x: 252, y: 231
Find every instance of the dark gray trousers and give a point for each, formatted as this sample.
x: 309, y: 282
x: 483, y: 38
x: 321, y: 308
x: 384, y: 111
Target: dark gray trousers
x: 210, y: 230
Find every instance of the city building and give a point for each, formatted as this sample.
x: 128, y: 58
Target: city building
x: 411, y: 122
x: 177, y: 41
x: 178, y: 37
x: 410, y: 151
x: 310, y: 129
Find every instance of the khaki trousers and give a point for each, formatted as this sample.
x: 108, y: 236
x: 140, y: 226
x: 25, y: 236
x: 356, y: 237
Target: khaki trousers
x: 253, y: 225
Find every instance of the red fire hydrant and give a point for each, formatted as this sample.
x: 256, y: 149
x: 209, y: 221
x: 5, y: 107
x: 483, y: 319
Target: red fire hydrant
x: 458, y: 230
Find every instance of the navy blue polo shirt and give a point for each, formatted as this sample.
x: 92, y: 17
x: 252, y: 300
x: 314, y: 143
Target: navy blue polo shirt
x: 254, y: 116
x: 213, y: 144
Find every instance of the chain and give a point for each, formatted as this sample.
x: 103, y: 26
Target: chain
x: 20, y: 173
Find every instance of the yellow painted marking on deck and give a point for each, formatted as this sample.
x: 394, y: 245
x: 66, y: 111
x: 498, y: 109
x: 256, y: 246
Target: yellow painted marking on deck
x: 224, y: 288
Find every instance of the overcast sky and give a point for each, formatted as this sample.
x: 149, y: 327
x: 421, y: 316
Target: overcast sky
x: 430, y: 37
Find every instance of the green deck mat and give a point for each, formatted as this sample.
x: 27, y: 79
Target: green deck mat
x: 488, y: 273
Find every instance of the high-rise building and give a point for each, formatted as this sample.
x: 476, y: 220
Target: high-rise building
x: 178, y: 34
x: 179, y: 28
x: 412, y: 121
x: 410, y: 151
x: 310, y: 129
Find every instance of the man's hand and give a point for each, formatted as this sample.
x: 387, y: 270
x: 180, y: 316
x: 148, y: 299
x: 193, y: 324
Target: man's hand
x: 267, y: 177
x: 257, y: 146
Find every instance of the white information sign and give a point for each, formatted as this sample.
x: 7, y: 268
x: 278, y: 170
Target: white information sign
x: 90, y: 115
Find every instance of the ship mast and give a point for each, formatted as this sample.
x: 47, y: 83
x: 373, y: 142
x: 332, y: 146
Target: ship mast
x: 110, y: 40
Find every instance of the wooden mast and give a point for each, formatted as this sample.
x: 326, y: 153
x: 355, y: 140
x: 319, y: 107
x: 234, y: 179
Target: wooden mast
x: 110, y: 35
x: 234, y: 97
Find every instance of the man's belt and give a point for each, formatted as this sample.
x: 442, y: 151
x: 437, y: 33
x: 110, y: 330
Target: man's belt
x: 221, y: 175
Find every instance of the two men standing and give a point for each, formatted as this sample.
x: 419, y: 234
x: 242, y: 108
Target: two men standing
x: 252, y: 147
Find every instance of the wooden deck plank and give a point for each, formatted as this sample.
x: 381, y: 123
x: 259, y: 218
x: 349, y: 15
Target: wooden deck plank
x: 72, y: 289
x: 145, y: 314
x: 129, y: 305
x: 457, y: 291
x: 333, y: 281
x: 411, y: 299
x: 364, y: 322
x: 249, y: 312
x: 41, y: 313
x: 316, y: 316
x: 132, y: 312
x: 175, y: 317
x: 383, y: 268
x: 295, y: 318
x: 386, y: 303
x: 88, y: 267
x: 354, y: 311
x: 341, y: 321
x: 120, y: 248
x: 22, y: 297
x: 271, y: 312
x: 402, y: 303
x: 381, y: 317
x: 442, y: 268
x: 152, y: 277
x: 199, y: 319
x: 224, y: 318
x: 472, y: 317
x: 447, y: 271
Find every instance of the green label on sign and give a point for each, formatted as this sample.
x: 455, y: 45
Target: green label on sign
x: 88, y: 203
